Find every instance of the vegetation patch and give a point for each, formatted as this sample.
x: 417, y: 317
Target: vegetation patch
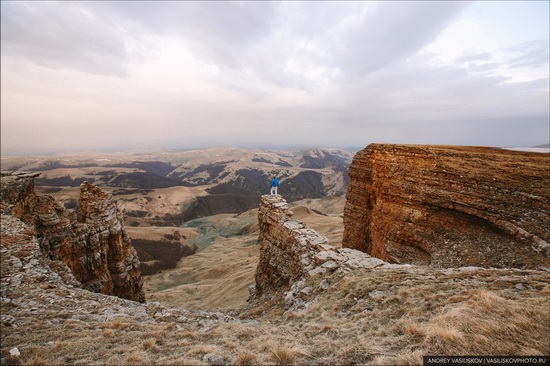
x: 261, y: 160
x: 157, y: 255
x: 125, y: 191
x: 158, y: 168
x: 204, y: 173
x: 48, y: 190
x: 251, y: 242
x: 65, y: 181
x: 306, y: 184
x: 209, y: 231
x: 136, y: 213
x: 168, y: 220
x: 144, y: 180
x: 219, y: 204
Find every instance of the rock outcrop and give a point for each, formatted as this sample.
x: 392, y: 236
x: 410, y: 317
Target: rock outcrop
x: 449, y: 206
x: 341, y: 316
x: 93, y: 245
x: 43, y: 306
x: 291, y: 252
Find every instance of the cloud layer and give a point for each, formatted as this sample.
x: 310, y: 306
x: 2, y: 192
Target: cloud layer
x: 118, y: 75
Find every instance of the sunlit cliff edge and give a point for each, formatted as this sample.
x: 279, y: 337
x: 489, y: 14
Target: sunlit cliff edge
x: 449, y: 206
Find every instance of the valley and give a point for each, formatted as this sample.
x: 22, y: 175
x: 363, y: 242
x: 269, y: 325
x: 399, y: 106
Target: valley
x: 219, y: 275
x: 272, y: 284
x: 191, y: 215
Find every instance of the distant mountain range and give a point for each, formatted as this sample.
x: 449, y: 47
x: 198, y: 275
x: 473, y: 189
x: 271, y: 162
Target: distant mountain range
x: 218, y: 180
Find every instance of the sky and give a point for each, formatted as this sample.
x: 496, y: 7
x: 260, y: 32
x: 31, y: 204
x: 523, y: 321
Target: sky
x: 114, y: 76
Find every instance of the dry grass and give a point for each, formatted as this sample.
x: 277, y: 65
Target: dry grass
x: 490, y: 324
x: 485, y: 323
x: 150, y: 344
x: 380, y: 317
x: 202, y: 349
x: 245, y: 357
x: 137, y: 358
x: 285, y: 355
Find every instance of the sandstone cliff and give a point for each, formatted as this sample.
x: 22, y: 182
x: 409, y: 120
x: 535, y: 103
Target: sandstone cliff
x: 94, y: 246
x: 291, y: 252
x: 449, y: 206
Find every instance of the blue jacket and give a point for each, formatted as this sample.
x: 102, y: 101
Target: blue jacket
x: 275, y: 182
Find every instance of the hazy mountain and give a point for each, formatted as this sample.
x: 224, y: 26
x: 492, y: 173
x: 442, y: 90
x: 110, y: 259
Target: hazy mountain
x: 199, y: 182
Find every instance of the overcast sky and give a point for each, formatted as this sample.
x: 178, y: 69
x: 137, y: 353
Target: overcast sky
x: 157, y: 75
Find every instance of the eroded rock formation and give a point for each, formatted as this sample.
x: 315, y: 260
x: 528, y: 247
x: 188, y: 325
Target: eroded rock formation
x: 291, y: 252
x: 449, y: 206
x: 94, y: 246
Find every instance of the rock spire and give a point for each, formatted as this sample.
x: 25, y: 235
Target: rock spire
x: 92, y: 242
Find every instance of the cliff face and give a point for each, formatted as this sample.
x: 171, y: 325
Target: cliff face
x: 448, y: 206
x: 17, y: 194
x: 291, y: 252
x: 95, y: 246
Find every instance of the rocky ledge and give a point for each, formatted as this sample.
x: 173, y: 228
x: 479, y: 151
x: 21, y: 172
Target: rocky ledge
x: 290, y: 252
x: 449, y: 206
x: 91, y: 242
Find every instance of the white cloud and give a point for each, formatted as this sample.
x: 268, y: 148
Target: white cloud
x: 97, y: 75
x: 63, y: 35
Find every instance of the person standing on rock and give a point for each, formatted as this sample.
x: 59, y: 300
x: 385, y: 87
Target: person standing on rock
x: 274, y: 186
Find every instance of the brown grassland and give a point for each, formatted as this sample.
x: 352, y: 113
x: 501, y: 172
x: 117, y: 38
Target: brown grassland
x: 387, y: 317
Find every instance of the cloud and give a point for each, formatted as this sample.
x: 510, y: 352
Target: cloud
x: 533, y: 53
x: 221, y: 32
x: 98, y: 75
x: 300, y: 45
x: 58, y: 35
x: 390, y: 32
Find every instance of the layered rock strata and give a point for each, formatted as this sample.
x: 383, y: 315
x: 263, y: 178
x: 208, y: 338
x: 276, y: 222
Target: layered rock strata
x: 49, y: 320
x: 93, y: 245
x: 449, y: 206
x: 291, y: 252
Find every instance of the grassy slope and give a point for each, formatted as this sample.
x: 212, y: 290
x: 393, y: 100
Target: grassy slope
x: 378, y: 317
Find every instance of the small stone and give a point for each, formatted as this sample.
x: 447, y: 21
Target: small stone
x: 316, y: 271
x: 8, y: 320
x: 520, y: 287
x: 293, y: 225
x: 323, y: 246
x: 326, y: 256
x: 316, y: 239
x: 330, y: 265
x: 214, y: 359
x: 324, y: 284
x: 14, y: 352
x: 376, y: 294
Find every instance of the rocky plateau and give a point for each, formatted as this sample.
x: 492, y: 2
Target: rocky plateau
x: 449, y: 206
